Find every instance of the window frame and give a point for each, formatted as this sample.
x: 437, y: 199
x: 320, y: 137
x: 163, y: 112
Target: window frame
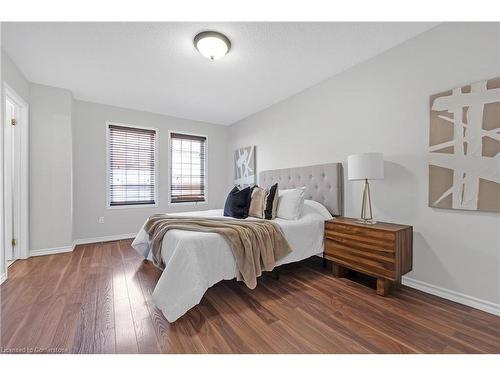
x: 170, y: 165
x: 108, y: 172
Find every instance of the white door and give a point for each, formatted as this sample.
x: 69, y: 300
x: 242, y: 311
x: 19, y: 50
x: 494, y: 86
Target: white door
x: 12, y: 169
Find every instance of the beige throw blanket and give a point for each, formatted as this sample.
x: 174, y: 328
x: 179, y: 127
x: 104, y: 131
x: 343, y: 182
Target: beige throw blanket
x: 256, y: 244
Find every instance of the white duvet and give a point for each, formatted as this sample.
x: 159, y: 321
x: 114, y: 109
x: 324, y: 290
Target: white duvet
x: 195, y: 261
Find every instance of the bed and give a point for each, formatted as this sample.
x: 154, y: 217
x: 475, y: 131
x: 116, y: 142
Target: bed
x: 195, y: 261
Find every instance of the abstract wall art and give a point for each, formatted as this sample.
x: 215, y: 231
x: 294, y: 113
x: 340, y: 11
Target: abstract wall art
x: 464, y: 147
x: 244, y: 166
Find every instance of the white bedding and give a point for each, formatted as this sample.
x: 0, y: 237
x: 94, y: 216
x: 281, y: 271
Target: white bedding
x: 195, y: 261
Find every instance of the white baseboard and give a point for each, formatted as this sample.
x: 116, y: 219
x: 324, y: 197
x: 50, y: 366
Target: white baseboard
x: 116, y: 237
x: 50, y: 251
x: 82, y: 241
x: 3, y: 277
x: 464, y: 299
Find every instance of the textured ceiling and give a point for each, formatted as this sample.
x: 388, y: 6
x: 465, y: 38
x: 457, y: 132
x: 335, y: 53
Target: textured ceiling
x: 154, y: 66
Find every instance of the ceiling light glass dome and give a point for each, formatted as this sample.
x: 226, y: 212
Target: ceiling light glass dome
x: 212, y: 45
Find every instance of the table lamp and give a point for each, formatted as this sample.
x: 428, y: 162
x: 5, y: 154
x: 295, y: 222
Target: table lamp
x: 366, y: 166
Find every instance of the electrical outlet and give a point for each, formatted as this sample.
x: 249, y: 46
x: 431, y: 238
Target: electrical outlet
x: 100, y: 220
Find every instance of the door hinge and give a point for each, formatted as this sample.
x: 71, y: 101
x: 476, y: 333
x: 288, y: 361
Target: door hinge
x: 13, y: 122
x: 14, y: 242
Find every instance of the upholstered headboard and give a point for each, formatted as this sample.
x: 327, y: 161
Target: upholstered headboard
x: 324, y: 183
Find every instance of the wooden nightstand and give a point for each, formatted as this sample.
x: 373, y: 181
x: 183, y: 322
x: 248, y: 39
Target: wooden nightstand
x: 382, y: 250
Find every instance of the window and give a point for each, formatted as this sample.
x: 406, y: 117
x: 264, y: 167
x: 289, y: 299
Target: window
x: 187, y: 174
x: 131, y: 166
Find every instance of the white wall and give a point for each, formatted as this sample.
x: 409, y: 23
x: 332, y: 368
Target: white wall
x: 90, y: 168
x: 383, y: 105
x: 51, y: 217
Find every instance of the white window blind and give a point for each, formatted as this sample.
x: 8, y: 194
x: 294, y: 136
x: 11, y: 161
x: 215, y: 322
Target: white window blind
x: 131, y: 165
x: 187, y: 174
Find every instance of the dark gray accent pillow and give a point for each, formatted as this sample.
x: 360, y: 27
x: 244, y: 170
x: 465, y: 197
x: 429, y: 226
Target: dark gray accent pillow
x: 229, y: 201
x: 238, y: 202
x: 271, y: 203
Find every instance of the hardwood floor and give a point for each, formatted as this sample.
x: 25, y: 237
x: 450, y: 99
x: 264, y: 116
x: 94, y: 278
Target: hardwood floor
x: 97, y: 299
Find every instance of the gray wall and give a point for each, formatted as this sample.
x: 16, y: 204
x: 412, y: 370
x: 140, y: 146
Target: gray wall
x: 383, y: 105
x: 2, y: 252
x: 90, y: 168
x: 50, y: 153
x: 379, y: 105
x: 51, y: 215
x: 14, y: 77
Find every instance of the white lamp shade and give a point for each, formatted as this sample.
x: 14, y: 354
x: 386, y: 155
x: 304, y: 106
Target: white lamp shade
x: 369, y: 166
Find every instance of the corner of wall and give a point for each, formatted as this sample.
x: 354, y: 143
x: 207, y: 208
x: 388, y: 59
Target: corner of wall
x: 73, y: 104
x: 14, y: 77
x: 3, y: 268
x: 51, y: 168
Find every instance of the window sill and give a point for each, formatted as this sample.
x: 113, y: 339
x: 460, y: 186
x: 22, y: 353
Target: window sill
x: 175, y: 204
x: 125, y: 206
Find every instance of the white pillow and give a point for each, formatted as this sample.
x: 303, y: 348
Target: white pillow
x: 316, y: 207
x: 290, y: 203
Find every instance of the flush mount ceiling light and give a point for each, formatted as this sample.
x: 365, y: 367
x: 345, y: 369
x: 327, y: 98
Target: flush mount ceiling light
x: 212, y: 45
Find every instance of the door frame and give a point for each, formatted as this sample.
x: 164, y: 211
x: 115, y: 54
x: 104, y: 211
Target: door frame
x: 22, y: 248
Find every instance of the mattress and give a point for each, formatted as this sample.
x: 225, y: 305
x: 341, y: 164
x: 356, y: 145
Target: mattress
x: 195, y: 261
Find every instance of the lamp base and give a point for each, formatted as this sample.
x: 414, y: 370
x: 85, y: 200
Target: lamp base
x: 366, y: 206
x: 368, y: 221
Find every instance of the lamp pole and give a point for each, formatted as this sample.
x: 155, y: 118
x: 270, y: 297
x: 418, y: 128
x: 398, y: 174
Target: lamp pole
x: 366, y: 205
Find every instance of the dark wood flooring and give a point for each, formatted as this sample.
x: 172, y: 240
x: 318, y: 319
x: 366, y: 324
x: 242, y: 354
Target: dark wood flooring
x: 97, y: 299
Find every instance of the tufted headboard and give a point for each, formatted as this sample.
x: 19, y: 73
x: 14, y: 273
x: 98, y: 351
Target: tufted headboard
x: 324, y: 183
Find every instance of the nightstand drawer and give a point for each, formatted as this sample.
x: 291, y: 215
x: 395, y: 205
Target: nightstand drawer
x: 369, y: 240
x: 370, y: 261
x: 360, y: 231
